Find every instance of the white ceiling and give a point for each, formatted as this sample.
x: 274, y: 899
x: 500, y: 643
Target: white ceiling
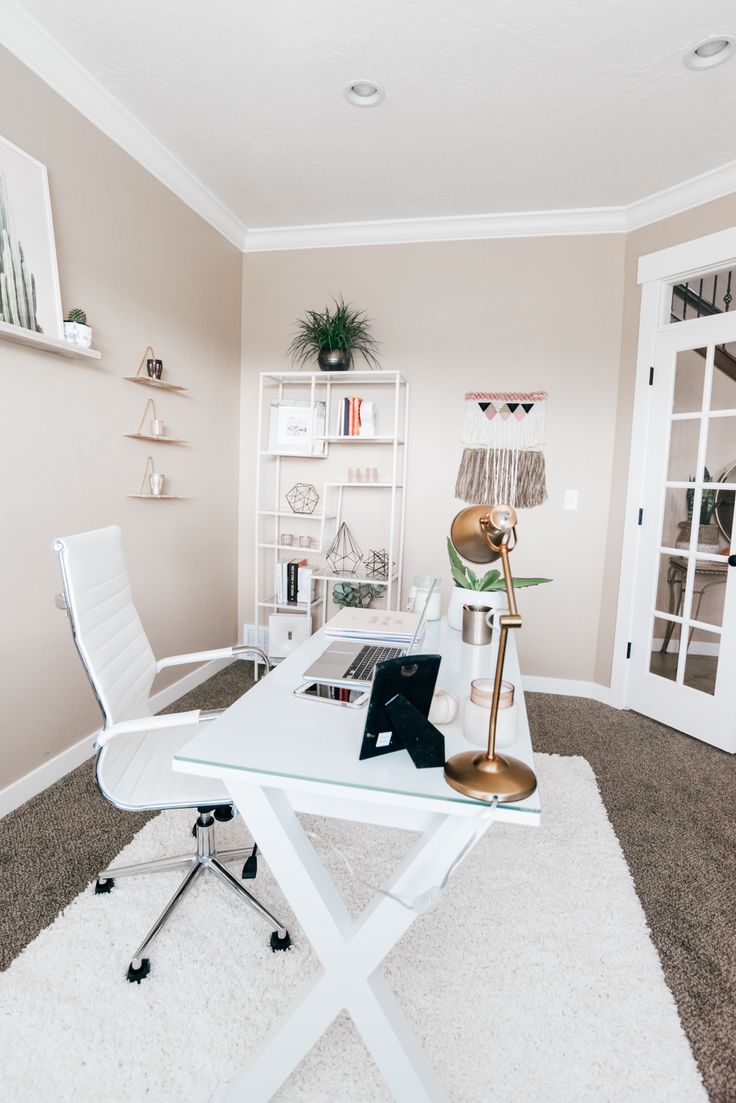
x: 491, y: 105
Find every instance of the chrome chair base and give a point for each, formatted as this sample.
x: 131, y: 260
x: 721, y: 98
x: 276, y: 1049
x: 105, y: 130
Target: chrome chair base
x: 207, y: 858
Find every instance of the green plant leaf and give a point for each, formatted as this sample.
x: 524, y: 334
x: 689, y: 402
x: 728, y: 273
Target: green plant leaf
x: 472, y: 576
x: 460, y: 578
x: 519, y: 583
x: 492, y: 581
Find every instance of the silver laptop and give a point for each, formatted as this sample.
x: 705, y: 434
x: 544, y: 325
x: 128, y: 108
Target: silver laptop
x: 353, y: 662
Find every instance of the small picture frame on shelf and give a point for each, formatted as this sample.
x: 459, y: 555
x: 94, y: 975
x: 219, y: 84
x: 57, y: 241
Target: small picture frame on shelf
x: 296, y: 428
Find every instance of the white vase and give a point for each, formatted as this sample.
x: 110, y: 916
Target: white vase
x: 491, y: 599
x: 77, y: 334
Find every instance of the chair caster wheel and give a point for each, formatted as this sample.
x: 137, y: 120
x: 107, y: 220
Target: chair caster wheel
x: 104, y: 886
x: 224, y: 813
x: 135, y: 976
x: 250, y: 868
x: 280, y: 943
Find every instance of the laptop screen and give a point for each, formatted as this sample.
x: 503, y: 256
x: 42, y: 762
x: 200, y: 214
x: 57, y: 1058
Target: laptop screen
x: 419, y: 630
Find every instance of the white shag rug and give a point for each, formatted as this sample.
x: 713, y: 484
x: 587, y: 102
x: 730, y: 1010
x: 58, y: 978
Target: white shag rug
x: 570, y: 1006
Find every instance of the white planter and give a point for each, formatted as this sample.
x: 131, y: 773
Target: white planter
x: 491, y: 599
x: 77, y: 334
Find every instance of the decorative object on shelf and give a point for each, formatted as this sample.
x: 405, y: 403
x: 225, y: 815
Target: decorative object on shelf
x: 376, y: 563
x: 483, y: 535
x: 355, y: 595
x: 468, y: 586
x: 503, y: 434
x: 76, y: 330
x: 367, y: 418
x: 285, y: 632
x: 332, y: 337
x: 155, y: 430
x: 343, y: 554
x: 154, y: 372
x: 154, y: 481
x: 302, y: 498
x: 305, y: 541
x: 709, y: 537
x: 29, y: 275
x: 297, y: 428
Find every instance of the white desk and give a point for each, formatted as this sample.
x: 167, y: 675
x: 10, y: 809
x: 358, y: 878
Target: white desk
x: 278, y: 755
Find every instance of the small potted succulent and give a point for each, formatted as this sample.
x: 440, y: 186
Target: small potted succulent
x: 332, y: 336
x: 76, y: 330
x: 469, y: 589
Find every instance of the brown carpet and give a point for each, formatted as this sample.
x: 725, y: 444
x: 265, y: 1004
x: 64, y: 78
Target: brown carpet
x: 670, y: 800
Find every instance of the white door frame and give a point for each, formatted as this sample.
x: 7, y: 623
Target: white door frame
x: 656, y: 273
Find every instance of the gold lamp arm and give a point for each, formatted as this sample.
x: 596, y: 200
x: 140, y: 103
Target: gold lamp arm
x: 506, y: 621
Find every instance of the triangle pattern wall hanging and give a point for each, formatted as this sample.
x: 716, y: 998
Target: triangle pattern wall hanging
x: 503, y: 433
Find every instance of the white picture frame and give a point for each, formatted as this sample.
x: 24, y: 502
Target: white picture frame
x: 30, y: 296
x: 297, y: 428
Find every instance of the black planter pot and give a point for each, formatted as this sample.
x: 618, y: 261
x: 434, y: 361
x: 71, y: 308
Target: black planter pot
x: 334, y: 359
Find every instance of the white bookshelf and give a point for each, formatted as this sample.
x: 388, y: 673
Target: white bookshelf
x: 324, y: 465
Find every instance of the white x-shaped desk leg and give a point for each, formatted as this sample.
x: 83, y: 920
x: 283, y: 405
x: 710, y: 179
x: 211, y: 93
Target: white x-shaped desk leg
x: 350, y: 951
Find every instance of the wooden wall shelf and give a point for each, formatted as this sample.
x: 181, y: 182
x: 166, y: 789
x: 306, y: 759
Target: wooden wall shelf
x: 147, y: 382
x: 157, y: 497
x: 156, y: 440
x: 40, y: 341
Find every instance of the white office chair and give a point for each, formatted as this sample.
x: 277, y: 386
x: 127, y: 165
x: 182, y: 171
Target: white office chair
x: 134, y: 747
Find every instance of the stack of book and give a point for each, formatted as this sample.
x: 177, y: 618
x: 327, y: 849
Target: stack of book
x: 348, y: 417
x: 387, y: 625
x: 293, y: 582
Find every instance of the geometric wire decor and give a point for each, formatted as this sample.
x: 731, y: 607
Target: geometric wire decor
x: 302, y: 498
x: 376, y: 563
x: 343, y: 554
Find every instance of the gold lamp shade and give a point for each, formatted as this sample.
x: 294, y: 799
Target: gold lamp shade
x: 483, y: 534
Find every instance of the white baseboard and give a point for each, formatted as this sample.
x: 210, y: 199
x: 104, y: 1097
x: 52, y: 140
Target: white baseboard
x: 18, y: 792
x: 567, y: 687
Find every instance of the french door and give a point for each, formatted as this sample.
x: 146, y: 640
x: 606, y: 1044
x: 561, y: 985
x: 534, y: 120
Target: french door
x: 683, y: 639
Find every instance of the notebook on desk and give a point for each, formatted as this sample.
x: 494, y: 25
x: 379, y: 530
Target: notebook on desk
x: 351, y: 660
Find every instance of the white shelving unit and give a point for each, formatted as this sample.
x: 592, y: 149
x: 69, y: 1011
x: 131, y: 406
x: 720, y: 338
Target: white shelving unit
x: 339, y: 498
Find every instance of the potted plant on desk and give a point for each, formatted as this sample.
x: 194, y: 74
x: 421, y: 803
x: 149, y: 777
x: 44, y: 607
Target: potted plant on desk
x: 332, y: 336
x: 469, y: 589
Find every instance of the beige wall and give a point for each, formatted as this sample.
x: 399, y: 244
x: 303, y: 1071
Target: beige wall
x: 514, y: 314
x: 147, y: 270
x: 698, y: 222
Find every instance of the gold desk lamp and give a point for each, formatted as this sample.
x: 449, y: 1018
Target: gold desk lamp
x: 482, y: 535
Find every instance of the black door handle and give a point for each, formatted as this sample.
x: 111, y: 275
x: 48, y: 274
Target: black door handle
x: 732, y: 560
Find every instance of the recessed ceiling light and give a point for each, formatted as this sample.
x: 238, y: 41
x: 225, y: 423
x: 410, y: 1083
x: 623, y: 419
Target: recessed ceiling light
x: 711, y: 51
x: 364, y: 93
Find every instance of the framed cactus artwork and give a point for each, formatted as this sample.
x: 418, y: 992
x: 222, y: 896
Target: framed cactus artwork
x: 29, y: 276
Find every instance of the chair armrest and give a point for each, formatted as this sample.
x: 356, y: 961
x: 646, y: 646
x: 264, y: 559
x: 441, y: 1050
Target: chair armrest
x: 217, y: 653
x: 149, y: 723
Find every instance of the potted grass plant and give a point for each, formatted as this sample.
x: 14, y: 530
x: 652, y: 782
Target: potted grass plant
x: 490, y: 589
x: 332, y: 337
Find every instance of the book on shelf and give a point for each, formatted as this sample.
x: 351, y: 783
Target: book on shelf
x: 293, y: 582
x: 350, y: 421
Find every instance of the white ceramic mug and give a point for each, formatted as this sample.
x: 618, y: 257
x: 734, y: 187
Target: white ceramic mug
x: 418, y: 596
x: 157, y: 427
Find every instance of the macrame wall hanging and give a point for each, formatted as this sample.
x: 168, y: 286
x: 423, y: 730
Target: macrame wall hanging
x: 503, y: 434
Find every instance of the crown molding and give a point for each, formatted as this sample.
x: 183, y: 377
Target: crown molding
x: 32, y: 45
x: 591, y: 220
x: 711, y: 185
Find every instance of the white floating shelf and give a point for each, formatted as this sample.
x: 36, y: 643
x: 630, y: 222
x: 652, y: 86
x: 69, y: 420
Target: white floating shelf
x: 345, y: 377
x: 360, y: 576
x: 20, y: 336
x: 292, y: 548
x: 145, y: 381
x: 157, y: 497
x: 364, y: 484
x: 359, y: 440
x: 296, y: 516
x: 297, y: 455
x: 272, y: 603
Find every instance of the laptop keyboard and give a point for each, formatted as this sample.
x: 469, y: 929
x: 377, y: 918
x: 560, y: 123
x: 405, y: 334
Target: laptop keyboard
x: 362, y: 667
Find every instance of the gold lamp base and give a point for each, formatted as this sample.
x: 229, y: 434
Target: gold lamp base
x: 476, y: 775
